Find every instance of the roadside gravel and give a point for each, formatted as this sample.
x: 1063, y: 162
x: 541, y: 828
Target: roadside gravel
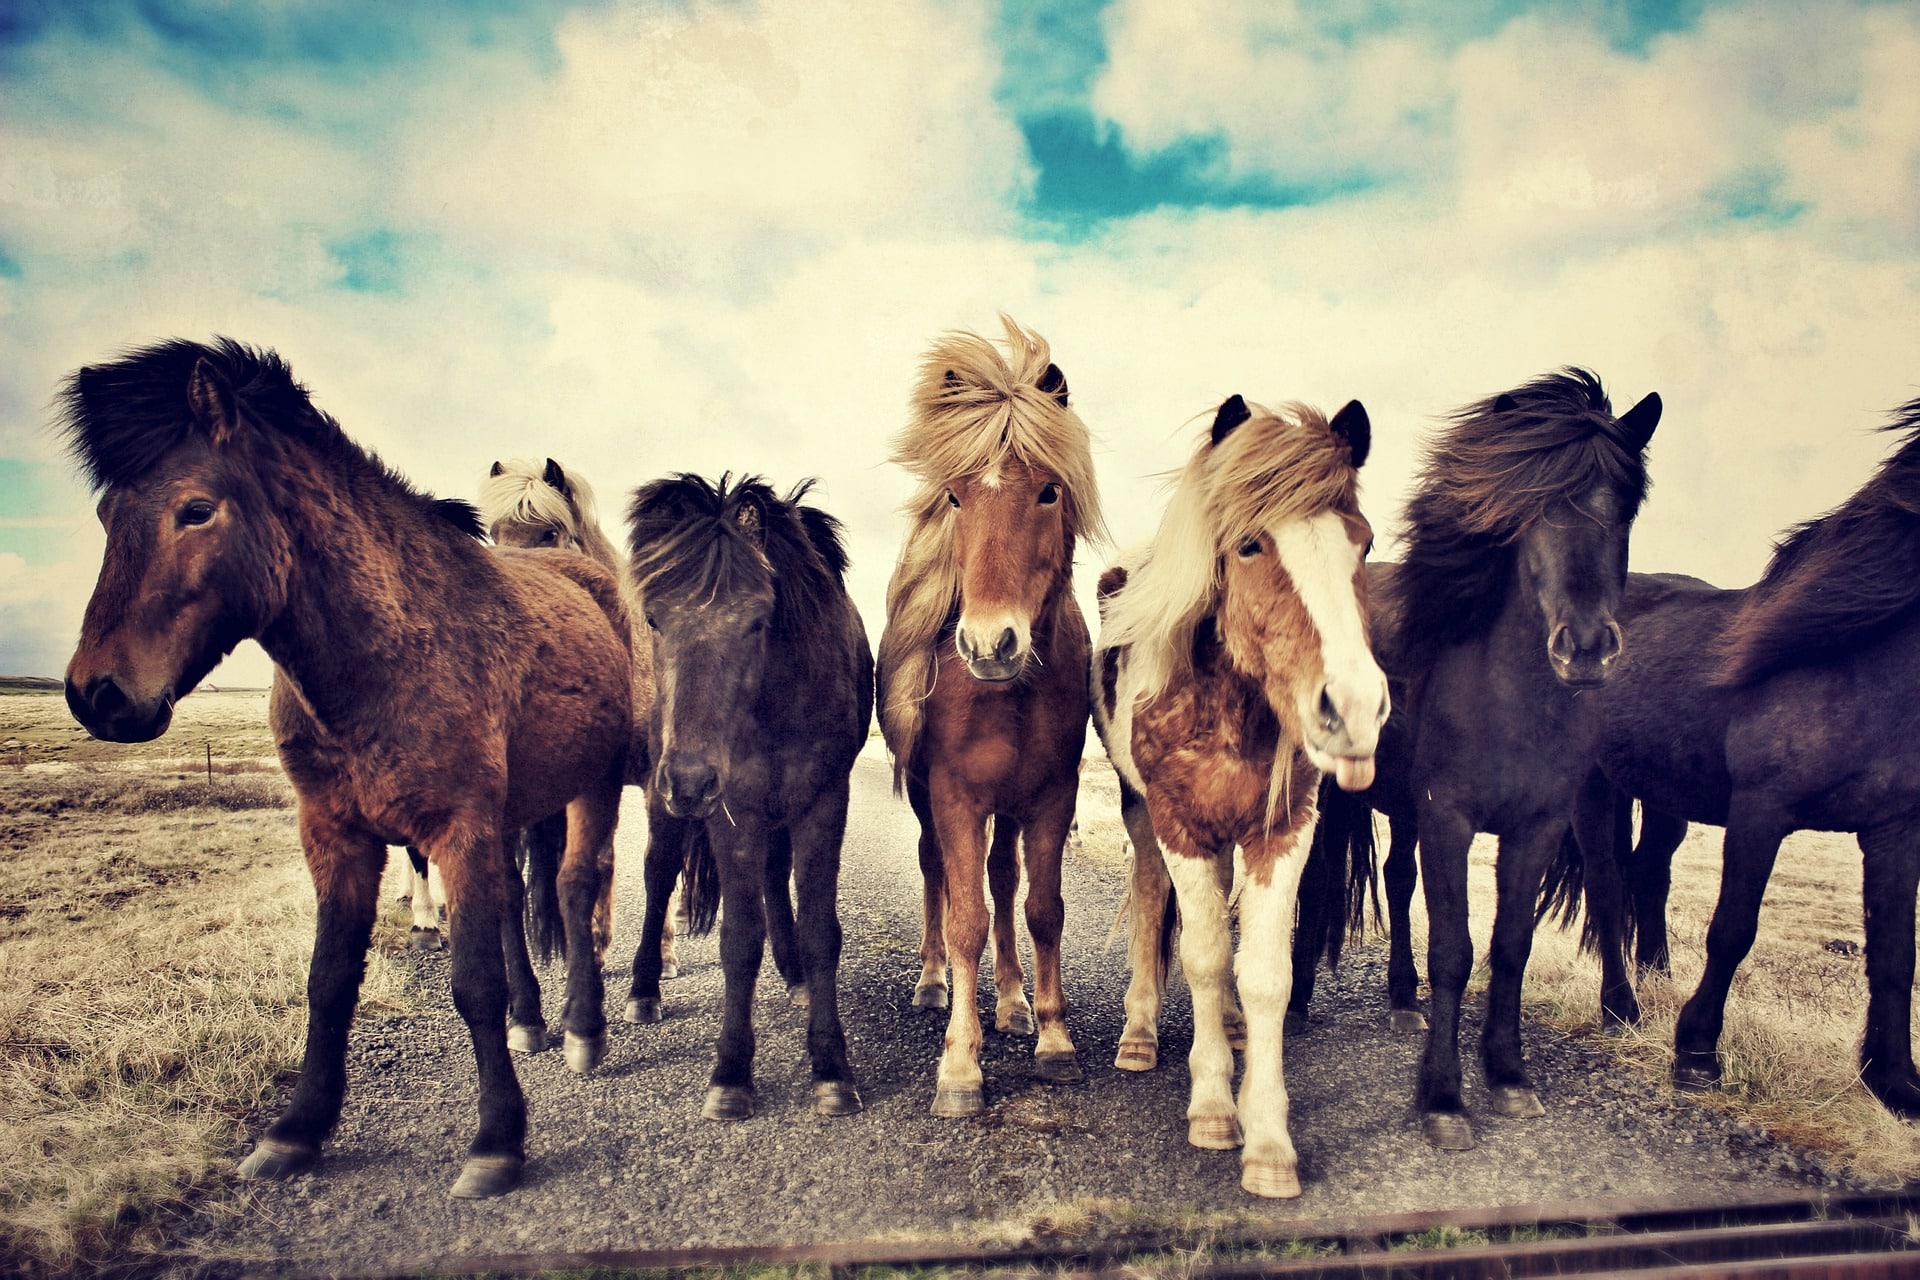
x: 620, y: 1160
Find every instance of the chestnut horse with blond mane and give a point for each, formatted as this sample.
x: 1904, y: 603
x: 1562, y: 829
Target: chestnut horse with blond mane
x: 982, y: 678
x: 427, y: 689
x: 1232, y: 670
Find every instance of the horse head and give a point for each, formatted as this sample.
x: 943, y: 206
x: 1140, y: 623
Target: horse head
x: 525, y: 504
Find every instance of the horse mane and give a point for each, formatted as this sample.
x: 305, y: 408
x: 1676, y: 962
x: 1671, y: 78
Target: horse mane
x: 1839, y: 580
x: 1278, y: 465
x: 519, y: 491
x: 1503, y: 465
x: 687, y: 540
x: 972, y: 408
x: 120, y: 419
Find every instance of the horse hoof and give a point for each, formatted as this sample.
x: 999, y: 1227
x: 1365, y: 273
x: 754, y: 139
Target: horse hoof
x: 584, y: 1053
x: 530, y: 1038
x: 427, y: 940
x: 1137, y: 1057
x: 1295, y: 1024
x: 272, y: 1158
x: 668, y: 969
x: 1214, y: 1133
x: 835, y: 1098
x: 643, y: 1010
x: 483, y: 1177
x: 1696, y: 1077
x: 1407, y: 1022
x: 1270, y: 1178
x: 799, y: 997
x: 1062, y: 1067
x: 1447, y: 1130
x: 1515, y: 1101
x: 930, y: 996
x: 1017, y: 1022
x: 728, y: 1102
x: 958, y: 1104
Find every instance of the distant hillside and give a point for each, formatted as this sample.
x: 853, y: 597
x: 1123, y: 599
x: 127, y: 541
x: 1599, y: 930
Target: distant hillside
x: 29, y: 684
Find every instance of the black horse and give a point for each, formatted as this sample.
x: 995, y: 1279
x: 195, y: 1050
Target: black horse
x: 1499, y: 618
x: 765, y: 693
x: 1789, y: 705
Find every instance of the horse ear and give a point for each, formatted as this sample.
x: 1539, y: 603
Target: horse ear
x: 497, y: 470
x: 752, y: 522
x: 1232, y: 413
x: 1351, y: 425
x: 555, y: 476
x: 1504, y: 403
x: 1638, y: 422
x: 1055, y: 383
x: 210, y: 396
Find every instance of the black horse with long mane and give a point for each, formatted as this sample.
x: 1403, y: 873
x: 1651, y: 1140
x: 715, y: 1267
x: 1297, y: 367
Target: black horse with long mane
x: 1793, y: 704
x: 1498, y: 620
x: 765, y: 693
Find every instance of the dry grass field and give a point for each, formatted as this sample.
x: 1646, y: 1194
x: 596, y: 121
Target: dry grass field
x: 155, y: 924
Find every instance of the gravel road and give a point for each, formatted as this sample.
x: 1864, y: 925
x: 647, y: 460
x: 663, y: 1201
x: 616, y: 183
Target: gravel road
x: 620, y: 1160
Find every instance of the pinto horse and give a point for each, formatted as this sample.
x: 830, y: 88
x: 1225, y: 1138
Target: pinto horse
x: 766, y: 691
x: 982, y: 676
x: 1232, y: 670
x: 427, y: 690
x: 1789, y: 705
x: 530, y: 504
x: 1502, y: 624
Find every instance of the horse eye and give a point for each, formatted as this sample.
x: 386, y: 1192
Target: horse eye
x: 1049, y: 494
x: 951, y: 500
x: 651, y: 623
x: 199, y: 511
x: 1250, y: 548
x: 549, y: 536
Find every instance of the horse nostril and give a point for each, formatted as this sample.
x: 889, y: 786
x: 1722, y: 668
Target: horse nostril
x: 1004, y: 648
x: 1611, y: 642
x: 106, y: 697
x: 1560, y: 644
x: 965, y: 645
x: 1329, y: 714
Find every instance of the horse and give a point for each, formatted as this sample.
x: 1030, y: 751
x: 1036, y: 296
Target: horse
x: 1231, y: 672
x: 982, y: 680
x: 1789, y: 705
x: 427, y: 690
x: 530, y: 504
x: 1501, y: 623
x: 765, y: 693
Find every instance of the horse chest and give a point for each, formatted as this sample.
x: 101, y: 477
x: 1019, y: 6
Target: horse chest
x: 1206, y: 749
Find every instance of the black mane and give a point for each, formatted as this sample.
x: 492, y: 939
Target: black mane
x: 120, y: 419
x: 1504, y: 464
x: 1838, y: 581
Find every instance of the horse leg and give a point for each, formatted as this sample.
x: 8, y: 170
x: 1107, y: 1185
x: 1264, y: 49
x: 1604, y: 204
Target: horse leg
x: 1206, y: 953
x: 669, y: 937
x: 1891, y: 855
x: 1147, y: 937
x: 816, y: 841
x: 930, y: 992
x: 1055, y: 1059
x: 426, y: 916
x: 779, y: 905
x: 1269, y: 1165
x: 1402, y: 874
x: 1754, y: 833
x: 1232, y: 1021
x: 1593, y: 831
x: 346, y: 868
x: 962, y: 838
x: 667, y: 838
x: 584, y: 871
x: 1011, y: 1012
x: 1445, y: 837
x: 526, y: 1019
x: 741, y: 853
x: 1525, y: 854
x: 1650, y: 879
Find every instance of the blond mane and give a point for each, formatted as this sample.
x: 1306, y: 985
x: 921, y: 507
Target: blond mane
x: 1273, y: 468
x: 521, y: 492
x: 972, y: 408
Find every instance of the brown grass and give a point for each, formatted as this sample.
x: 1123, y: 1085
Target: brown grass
x: 138, y: 1047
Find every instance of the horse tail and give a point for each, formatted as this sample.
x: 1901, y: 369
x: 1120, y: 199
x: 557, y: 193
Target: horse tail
x: 541, y: 848
x: 1567, y: 885
x: 1339, y: 877
x: 702, y: 880
x: 1564, y: 886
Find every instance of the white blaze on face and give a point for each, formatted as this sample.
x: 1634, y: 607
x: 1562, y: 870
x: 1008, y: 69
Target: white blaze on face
x: 1323, y: 563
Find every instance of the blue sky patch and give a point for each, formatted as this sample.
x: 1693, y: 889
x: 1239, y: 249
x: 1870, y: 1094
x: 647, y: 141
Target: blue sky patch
x: 375, y: 261
x: 1753, y: 195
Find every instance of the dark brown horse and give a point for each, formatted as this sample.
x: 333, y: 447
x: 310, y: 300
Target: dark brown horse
x: 1502, y: 623
x: 766, y: 691
x: 983, y: 685
x: 1232, y: 670
x: 427, y: 690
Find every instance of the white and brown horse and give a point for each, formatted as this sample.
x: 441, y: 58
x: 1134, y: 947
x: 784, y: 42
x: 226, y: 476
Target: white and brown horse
x: 1232, y: 670
x: 982, y: 676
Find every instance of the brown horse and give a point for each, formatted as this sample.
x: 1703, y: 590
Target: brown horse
x: 528, y: 504
x: 1232, y: 671
x: 427, y: 690
x: 982, y: 675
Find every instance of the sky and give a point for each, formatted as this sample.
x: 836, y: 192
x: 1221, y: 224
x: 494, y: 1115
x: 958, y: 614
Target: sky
x: 651, y: 237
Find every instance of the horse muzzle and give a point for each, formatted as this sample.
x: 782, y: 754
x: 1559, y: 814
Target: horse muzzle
x: 105, y: 710
x: 1006, y: 660
x: 689, y: 788
x: 1584, y: 658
